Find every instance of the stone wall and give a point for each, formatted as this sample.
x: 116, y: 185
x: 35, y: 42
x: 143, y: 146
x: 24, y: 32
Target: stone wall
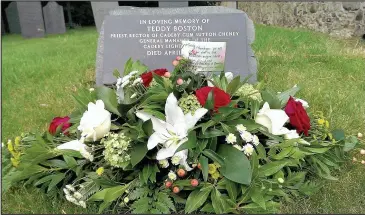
x: 343, y: 19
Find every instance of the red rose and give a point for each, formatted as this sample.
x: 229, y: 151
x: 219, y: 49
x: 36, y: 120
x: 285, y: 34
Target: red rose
x: 148, y: 76
x: 58, y: 121
x: 221, y: 98
x: 298, y: 116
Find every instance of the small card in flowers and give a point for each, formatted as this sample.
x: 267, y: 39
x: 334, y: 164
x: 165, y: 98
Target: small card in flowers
x: 205, y: 56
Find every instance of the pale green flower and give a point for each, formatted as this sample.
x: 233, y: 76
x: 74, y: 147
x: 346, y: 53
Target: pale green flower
x: 175, y: 160
x: 280, y: 180
x: 172, y: 176
x: 189, y: 103
x: 116, y: 149
x: 249, y: 91
x: 248, y: 149
x: 231, y: 138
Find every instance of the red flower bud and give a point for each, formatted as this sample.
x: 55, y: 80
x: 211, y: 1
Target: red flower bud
x: 194, y: 182
x: 181, y: 173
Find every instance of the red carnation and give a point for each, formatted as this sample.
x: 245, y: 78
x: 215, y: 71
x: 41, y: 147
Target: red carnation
x: 298, y: 116
x: 59, y: 121
x: 148, y: 76
x: 221, y: 98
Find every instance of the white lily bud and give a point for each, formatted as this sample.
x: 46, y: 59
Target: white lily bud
x: 134, y: 95
x: 125, y: 83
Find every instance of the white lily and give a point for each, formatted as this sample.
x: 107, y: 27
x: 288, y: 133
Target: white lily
x: 272, y: 119
x: 79, y: 146
x: 95, y: 122
x: 172, y: 133
x: 229, y: 76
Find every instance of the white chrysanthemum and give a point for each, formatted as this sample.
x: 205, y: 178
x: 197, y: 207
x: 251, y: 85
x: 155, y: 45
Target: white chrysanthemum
x: 77, y: 195
x: 240, y: 128
x: 175, y: 160
x: 164, y: 163
x: 238, y: 147
x: 246, y: 136
x: 255, y: 140
x: 172, y: 176
x: 66, y: 191
x: 248, y: 149
x: 82, y: 204
x: 231, y: 138
x: 70, y: 187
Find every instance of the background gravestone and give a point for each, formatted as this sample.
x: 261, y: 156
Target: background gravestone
x: 54, y: 19
x: 13, y: 18
x: 26, y: 18
x: 100, y: 9
x: 129, y: 33
x: 173, y: 4
x: 2, y: 26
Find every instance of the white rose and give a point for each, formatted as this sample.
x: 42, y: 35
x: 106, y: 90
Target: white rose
x: 272, y: 119
x: 95, y: 122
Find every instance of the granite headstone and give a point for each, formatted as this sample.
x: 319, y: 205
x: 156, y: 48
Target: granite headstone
x: 154, y: 35
x: 13, y: 18
x: 54, y: 19
x: 100, y: 10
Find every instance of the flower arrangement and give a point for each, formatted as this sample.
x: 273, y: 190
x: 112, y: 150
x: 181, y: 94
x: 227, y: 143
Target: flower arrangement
x: 161, y: 142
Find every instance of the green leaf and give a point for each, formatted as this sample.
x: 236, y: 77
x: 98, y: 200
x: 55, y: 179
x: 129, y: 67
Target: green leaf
x: 232, y: 189
x: 338, y: 134
x: 234, y: 85
x: 284, y: 96
x: 190, y: 143
x: 271, y: 168
x: 209, y: 103
x: 103, y: 206
x: 57, y: 178
x: 317, y: 150
x: 147, y: 127
x: 213, y: 156
x: 212, y: 133
x: 44, y: 179
x: 204, y: 164
x: 196, y: 199
x: 116, y: 73
x: 208, y: 208
x: 99, y: 196
x: 350, y: 143
x: 113, y: 193
x: 138, y: 152
x: 258, y: 198
x: 217, y: 201
x: 284, y: 153
x: 271, y: 98
x: 235, y: 160
x: 71, y: 162
x: 155, y: 113
x: 109, y: 97
x: 128, y: 67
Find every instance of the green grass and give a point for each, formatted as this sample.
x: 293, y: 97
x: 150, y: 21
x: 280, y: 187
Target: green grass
x: 39, y: 76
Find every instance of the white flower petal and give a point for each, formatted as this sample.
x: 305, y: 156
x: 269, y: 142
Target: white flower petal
x: 229, y: 76
x: 192, y: 120
x: 304, y: 103
x: 159, y: 126
x: 174, y: 114
x: 165, y: 153
x: 292, y: 134
x: 278, y: 118
x: 76, y: 145
x: 143, y: 116
x: 154, y: 140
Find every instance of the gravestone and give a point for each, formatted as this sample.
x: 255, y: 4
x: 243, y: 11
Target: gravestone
x: 100, y: 10
x: 2, y: 26
x: 26, y: 18
x: 13, y: 18
x: 173, y: 4
x: 54, y: 19
x: 154, y: 35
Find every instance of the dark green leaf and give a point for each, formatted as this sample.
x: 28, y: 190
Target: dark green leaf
x: 204, y: 164
x: 350, y: 143
x: 209, y: 103
x: 235, y: 160
x: 338, y: 134
x: 258, y: 198
x: 213, y: 156
x: 71, y: 162
x: 196, y: 199
x: 147, y: 127
x: 212, y: 133
x: 138, y: 152
x: 217, y: 201
x: 113, y: 193
x: 109, y: 97
x: 272, y: 168
x: 234, y: 85
x: 57, y: 178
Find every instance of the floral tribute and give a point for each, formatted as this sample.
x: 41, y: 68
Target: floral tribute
x: 180, y: 142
